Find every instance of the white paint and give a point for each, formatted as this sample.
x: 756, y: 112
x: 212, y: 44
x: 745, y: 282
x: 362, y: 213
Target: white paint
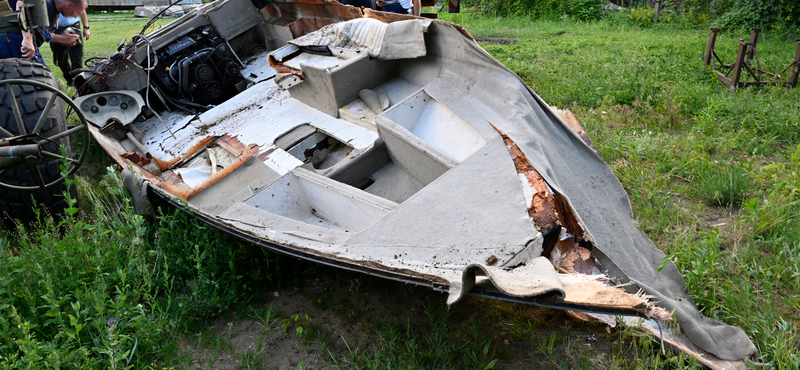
x: 527, y: 189
x: 258, y: 115
x: 281, y: 161
x: 437, y: 125
x: 257, y: 68
x: 445, y: 131
x: 307, y: 197
x: 317, y: 60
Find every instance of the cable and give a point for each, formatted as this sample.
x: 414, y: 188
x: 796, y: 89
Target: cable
x: 155, y: 17
x: 147, y: 94
x: 181, y: 104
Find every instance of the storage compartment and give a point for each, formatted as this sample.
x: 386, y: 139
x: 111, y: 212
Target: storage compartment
x: 374, y: 172
x: 436, y: 125
x: 310, y: 145
x: 304, y: 196
x: 396, y: 168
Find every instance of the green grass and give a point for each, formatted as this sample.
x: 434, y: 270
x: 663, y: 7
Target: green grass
x: 712, y: 174
x: 724, y: 184
x: 713, y: 177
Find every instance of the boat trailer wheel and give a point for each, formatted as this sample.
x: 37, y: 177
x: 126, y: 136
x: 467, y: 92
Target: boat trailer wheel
x: 29, y: 147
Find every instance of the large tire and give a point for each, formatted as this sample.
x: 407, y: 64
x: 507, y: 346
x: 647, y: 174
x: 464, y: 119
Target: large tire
x: 32, y: 101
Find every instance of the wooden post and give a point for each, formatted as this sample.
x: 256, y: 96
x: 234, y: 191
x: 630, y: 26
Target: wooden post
x: 737, y: 66
x: 753, y: 41
x: 795, y: 66
x: 657, y: 5
x: 710, y: 48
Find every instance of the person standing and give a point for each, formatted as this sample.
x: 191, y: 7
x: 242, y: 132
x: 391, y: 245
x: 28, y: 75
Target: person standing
x: 25, y: 44
x: 66, y: 57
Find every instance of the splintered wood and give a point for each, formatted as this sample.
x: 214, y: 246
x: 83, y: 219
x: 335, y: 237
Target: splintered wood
x: 541, y: 205
x: 579, y: 271
x: 594, y: 291
x: 186, y: 192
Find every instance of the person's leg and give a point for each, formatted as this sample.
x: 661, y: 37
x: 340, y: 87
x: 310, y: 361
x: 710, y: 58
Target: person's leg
x: 61, y: 59
x: 54, y: 49
x: 75, y: 58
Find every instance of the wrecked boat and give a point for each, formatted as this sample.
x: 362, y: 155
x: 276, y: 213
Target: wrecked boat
x: 389, y: 145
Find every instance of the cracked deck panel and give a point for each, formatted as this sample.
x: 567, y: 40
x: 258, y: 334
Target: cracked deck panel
x: 541, y: 203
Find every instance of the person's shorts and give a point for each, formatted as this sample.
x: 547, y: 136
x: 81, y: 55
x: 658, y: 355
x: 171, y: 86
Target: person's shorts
x: 12, y: 47
x: 394, y: 8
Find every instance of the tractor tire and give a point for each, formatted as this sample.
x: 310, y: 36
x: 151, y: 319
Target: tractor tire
x: 21, y: 205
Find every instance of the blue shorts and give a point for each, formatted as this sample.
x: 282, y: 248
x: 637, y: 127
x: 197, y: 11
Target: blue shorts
x: 394, y: 8
x: 12, y: 47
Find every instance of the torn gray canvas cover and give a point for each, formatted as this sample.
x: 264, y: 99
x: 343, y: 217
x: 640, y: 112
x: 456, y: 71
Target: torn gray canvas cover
x: 397, y: 40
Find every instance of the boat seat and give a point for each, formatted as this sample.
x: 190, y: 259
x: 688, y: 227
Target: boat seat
x: 329, y: 88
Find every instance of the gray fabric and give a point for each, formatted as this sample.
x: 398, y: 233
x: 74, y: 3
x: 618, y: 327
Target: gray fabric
x: 534, y: 279
x: 404, y: 39
x: 573, y: 169
x: 398, y: 40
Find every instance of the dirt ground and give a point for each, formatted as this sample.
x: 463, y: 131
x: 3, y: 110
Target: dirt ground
x: 343, y: 315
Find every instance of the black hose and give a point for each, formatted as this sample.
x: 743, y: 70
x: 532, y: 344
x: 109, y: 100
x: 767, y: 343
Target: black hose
x: 182, y: 103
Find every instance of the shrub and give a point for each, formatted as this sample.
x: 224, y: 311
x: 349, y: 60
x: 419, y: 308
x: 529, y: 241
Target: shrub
x: 582, y: 10
x: 745, y: 14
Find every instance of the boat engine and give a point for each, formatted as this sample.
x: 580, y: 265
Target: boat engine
x: 197, y: 69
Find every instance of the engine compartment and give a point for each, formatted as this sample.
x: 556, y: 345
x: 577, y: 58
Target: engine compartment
x: 197, y: 69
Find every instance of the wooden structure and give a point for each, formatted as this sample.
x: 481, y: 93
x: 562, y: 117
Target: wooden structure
x: 731, y: 74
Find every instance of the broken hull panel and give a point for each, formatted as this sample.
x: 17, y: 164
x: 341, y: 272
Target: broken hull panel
x: 389, y: 145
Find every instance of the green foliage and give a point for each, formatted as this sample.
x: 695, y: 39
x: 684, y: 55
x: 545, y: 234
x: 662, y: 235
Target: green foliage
x: 724, y: 184
x: 106, y: 289
x: 781, y: 15
x: 641, y: 16
x: 583, y: 10
x: 300, y: 321
x: 745, y: 14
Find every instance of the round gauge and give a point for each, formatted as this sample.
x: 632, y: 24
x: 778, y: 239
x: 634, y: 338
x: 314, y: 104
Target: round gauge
x: 86, y: 106
x: 113, y: 100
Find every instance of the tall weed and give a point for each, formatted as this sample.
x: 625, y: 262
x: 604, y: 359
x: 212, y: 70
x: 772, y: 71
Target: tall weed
x: 724, y: 184
x: 107, y: 289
